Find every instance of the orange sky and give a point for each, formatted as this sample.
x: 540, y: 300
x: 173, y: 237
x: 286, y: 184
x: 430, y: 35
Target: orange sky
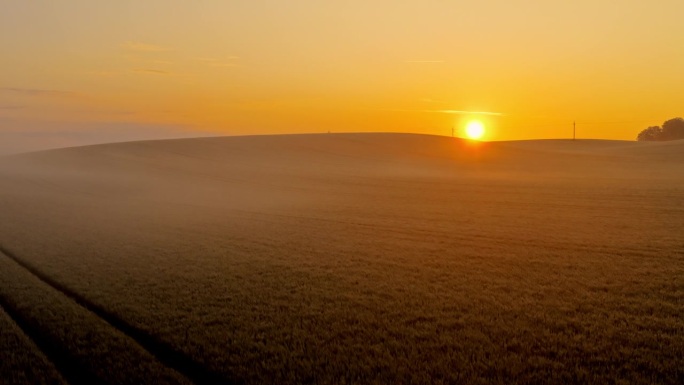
x: 257, y: 67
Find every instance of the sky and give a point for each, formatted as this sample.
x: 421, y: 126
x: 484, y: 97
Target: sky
x: 81, y: 71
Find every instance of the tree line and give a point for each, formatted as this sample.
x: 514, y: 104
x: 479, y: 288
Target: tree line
x: 672, y: 129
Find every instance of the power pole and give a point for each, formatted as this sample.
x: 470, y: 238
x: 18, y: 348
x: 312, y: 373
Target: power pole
x: 574, y: 129
x: 453, y: 132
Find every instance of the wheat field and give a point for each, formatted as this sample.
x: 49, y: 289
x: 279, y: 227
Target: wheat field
x: 343, y: 258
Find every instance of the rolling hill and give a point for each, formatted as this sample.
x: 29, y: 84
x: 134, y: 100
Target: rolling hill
x: 344, y: 258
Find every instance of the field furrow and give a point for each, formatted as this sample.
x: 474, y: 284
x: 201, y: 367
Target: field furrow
x: 87, y: 348
x: 21, y: 361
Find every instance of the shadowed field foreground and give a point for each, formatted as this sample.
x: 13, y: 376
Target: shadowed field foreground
x: 343, y: 258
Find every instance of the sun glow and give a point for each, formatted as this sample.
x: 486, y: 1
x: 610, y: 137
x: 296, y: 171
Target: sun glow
x: 475, y: 130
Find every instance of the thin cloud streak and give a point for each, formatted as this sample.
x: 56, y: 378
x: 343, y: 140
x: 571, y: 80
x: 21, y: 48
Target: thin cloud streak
x: 462, y: 112
x: 428, y: 100
x: 36, y: 92
x: 104, y: 74
x: 151, y: 71
x: 453, y: 112
x: 425, y: 61
x: 230, y: 61
x: 143, y: 47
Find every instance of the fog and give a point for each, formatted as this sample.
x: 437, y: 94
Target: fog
x: 331, y: 258
x: 17, y: 136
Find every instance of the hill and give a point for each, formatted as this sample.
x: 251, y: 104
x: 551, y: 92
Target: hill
x: 333, y: 258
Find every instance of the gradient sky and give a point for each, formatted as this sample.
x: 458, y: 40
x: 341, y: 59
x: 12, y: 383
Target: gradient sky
x: 126, y: 69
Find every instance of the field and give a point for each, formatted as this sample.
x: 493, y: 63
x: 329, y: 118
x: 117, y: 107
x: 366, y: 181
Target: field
x: 343, y: 258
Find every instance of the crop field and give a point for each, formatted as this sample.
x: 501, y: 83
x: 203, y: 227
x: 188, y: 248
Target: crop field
x: 343, y: 259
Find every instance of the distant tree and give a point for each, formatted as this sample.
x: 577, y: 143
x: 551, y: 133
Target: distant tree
x: 650, y: 134
x: 672, y: 129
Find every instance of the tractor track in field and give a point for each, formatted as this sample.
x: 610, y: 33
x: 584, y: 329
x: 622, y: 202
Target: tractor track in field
x: 165, y: 354
x: 67, y: 368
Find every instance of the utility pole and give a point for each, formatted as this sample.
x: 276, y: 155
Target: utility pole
x: 453, y: 132
x: 574, y: 129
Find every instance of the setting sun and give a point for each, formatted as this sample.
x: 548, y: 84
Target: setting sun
x: 475, y: 130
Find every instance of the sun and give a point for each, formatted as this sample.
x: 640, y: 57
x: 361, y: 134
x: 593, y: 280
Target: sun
x: 475, y: 129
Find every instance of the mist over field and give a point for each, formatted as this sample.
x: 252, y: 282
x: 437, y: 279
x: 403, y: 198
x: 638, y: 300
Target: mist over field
x: 343, y: 258
x: 17, y: 136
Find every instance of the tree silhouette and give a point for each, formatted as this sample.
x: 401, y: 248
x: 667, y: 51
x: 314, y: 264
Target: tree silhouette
x: 672, y: 129
x: 650, y: 134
